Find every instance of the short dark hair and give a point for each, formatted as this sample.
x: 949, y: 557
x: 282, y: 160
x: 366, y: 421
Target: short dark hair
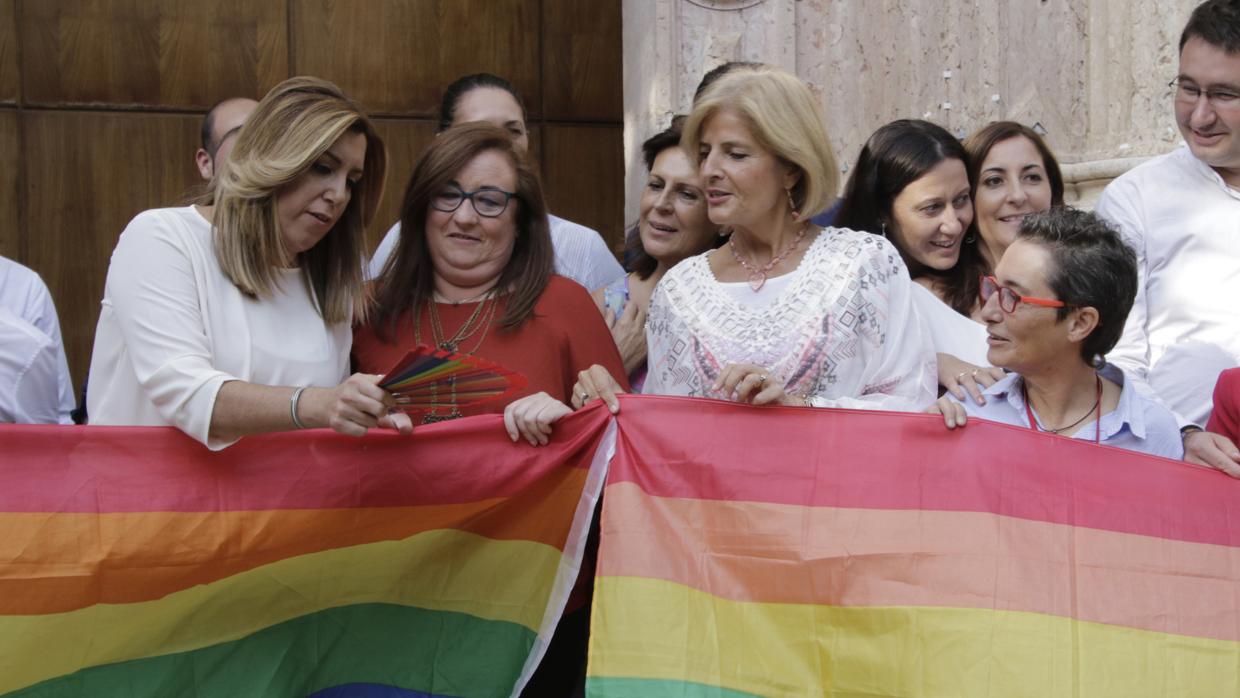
x: 205, y: 131
x: 895, y: 156
x: 407, y: 280
x: 468, y: 83
x: 1092, y: 266
x: 719, y: 71
x: 1216, y: 22
x: 208, y: 125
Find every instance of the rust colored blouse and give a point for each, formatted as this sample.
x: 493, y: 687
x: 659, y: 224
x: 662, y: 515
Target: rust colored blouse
x: 564, y: 335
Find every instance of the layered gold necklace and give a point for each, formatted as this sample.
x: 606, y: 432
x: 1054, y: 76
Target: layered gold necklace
x: 480, y: 319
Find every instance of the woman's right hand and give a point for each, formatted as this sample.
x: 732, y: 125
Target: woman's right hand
x: 358, y: 404
x: 959, y: 377
x: 952, y: 411
x: 531, y: 417
x: 596, y: 382
x: 629, y: 333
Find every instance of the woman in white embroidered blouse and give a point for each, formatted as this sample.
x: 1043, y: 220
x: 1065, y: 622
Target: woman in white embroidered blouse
x: 233, y: 318
x: 785, y: 313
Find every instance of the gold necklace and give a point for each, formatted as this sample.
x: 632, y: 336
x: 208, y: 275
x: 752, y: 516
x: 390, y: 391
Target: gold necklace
x: 481, y: 318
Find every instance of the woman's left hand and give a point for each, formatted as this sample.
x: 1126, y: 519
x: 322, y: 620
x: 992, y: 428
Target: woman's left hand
x: 531, y: 417
x: 753, y: 384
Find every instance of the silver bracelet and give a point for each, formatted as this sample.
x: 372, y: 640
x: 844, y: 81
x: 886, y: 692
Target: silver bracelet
x: 292, y: 406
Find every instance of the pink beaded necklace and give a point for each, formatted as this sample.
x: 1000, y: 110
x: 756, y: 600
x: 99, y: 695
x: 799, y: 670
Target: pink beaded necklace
x: 757, y: 275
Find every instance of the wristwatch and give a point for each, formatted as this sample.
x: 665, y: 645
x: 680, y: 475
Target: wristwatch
x: 1189, y: 429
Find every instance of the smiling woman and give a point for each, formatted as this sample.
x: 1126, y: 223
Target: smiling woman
x: 672, y: 225
x: 232, y: 317
x: 472, y: 273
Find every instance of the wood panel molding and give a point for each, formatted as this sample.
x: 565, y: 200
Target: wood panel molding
x: 10, y: 79
x: 88, y: 174
x: 415, y: 48
x: 166, y: 53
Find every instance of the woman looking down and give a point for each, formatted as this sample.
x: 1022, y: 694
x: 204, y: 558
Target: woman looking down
x: 786, y: 312
x: 233, y: 317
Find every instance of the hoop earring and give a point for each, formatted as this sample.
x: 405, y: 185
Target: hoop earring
x: 792, y: 205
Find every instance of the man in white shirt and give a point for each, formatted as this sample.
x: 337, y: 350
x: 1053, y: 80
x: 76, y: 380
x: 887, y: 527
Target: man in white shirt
x: 1181, y: 212
x: 580, y: 253
x: 32, y: 354
x: 219, y: 130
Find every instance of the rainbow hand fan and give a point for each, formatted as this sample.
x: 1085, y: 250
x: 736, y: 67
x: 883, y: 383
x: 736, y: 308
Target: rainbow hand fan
x: 426, y: 378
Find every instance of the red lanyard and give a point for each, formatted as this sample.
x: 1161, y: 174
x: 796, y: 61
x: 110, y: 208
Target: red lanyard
x: 1033, y: 423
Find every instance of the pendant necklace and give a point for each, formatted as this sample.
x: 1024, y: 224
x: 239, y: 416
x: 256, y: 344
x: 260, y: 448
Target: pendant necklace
x: 480, y: 319
x: 757, y: 275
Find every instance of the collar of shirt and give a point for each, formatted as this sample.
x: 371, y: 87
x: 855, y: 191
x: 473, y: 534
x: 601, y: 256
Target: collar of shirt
x: 1208, y: 173
x: 1126, y: 414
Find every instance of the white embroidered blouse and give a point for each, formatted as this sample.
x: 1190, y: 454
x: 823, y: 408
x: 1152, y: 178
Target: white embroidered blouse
x: 842, y: 331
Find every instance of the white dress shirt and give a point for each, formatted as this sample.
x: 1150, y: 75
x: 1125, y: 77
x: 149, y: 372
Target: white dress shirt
x: 28, y: 373
x: 173, y: 329
x: 25, y: 295
x: 580, y: 254
x: 1184, y: 329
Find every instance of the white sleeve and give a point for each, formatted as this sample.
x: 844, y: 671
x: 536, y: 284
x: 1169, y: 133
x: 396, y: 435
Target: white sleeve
x: 1132, y: 353
x: 602, y: 267
x: 659, y: 338
x: 581, y: 255
x: 899, y: 361
x: 36, y: 394
x: 383, y: 252
x: 154, y: 297
x: 46, y: 320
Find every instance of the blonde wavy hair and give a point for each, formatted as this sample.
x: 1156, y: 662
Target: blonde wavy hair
x: 290, y: 129
x: 784, y: 118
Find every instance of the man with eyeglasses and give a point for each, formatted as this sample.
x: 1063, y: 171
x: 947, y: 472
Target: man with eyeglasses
x: 1181, y: 213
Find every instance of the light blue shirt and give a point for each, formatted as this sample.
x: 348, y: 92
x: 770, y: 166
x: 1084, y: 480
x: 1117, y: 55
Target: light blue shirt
x: 1138, y: 423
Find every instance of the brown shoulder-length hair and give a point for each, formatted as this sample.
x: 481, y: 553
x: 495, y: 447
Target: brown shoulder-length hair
x: 407, y: 281
x: 289, y: 130
x: 978, y: 145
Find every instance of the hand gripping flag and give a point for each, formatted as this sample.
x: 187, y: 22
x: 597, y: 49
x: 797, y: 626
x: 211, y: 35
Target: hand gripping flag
x: 134, y: 562
x: 804, y: 552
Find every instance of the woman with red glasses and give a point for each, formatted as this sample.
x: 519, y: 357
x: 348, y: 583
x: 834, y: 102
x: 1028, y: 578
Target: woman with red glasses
x: 1055, y: 305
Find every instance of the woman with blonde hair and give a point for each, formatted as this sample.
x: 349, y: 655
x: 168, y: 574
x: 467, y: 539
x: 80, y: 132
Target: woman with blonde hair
x: 232, y: 317
x: 785, y: 312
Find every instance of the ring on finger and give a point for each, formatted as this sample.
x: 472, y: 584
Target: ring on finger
x: 584, y: 396
x: 761, y: 379
x: 960, y: 375
x: 974, y: 372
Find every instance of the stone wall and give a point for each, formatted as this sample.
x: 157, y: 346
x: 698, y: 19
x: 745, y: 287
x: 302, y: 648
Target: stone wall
x: 1092, y: 73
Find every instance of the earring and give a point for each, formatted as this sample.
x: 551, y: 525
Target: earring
x: 725, y: 230
x: 792, y: 205
x: 882, y: 229
x: 970, y: 237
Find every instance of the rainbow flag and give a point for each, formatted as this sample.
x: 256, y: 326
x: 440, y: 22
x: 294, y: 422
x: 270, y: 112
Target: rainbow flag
x: 799, y: 552
x: 133, y: 562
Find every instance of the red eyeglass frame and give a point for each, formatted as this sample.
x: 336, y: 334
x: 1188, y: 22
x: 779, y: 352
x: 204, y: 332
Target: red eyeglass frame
x: 1000, y: 288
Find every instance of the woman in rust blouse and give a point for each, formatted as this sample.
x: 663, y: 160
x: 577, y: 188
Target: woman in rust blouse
x: 473, y: 274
